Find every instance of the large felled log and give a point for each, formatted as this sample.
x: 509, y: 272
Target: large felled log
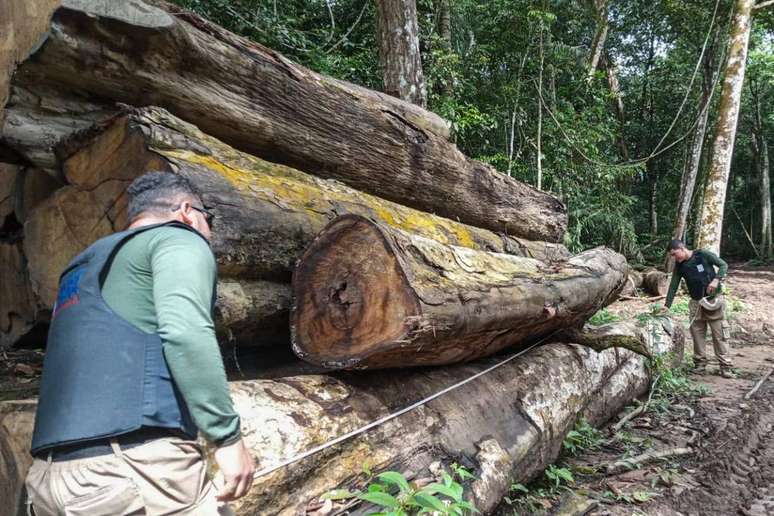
x: 655, y: 282
x: 371, y: 296
x: 633, y: 282
x: 266, y: 213
x: 258, y: 101
x: 505, y: 426
x: 39, y: 116
x: 16, y: 421
x: 22, y: 25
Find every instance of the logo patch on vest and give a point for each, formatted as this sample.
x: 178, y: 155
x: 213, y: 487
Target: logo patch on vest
x: 69, y: 290
x: 700, y: 268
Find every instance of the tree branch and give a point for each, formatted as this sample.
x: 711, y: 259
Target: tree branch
x: 763, y: 5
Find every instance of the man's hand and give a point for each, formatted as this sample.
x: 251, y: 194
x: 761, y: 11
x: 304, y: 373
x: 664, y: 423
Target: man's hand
x: 237, y: 465
x: 713, y: 286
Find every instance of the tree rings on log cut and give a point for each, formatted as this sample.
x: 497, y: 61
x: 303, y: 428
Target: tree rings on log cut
x: 362, y: 299
x: 368, y: 295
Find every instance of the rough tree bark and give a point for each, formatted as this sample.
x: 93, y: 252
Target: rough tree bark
x: 254, y: 99
x: 598, y: 9
x: 711, y: 225
x: 38, y: 117
x: 691, y: 166
x: 398, y: 36
x: 8, y: 174
x: 266, y: 214
x: 443, y: 14
x: 633, y: 282
x: 655, y: 282
x: 522, y: 412
x: 761, y: 149
x: 22, y: 25
x: 16, y: 421
x: 611, y: 72
x: 370, y: 296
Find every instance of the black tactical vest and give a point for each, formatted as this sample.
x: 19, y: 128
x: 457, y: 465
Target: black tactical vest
x: 698, y: 275
x: 102, y: 377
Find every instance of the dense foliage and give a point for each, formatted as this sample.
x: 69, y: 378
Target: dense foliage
x: 513, y: 77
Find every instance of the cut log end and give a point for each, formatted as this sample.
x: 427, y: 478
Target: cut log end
x: 356, y: 299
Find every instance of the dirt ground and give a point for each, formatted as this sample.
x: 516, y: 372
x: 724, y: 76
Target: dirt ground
x: 729, y: 466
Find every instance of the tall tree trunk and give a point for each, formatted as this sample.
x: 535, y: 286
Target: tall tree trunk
x: 599, y: 8
x: 539, y: 139
x: 611, y: 72
x: 399, y: 51
x: 761, y: 150
x: 443, y: 8
x: 654, y: 209
x: 370, y: 296
x: 443, y: 13
x: 766, y: 247
x: 693, y: 160
x: 711, y: 225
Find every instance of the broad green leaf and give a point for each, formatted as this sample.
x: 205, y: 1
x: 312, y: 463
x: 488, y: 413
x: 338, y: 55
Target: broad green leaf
x: 454, y: 491
x: 383, y: 499
x: 519, y: 487
x: 467, y: 505
x: 395, y: 478
x: 376, y: 488
x: 430, y: 502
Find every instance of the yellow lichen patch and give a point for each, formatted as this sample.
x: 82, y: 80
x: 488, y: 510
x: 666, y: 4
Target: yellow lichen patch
x: 296, y: 191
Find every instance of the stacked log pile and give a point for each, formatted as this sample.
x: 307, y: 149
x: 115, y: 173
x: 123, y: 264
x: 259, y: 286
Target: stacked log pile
x: 506, y: 426
x: 411, y: 254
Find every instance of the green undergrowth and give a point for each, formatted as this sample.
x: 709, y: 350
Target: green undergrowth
x: 395, y: 495
x: 672, y: 386
x: 603, y: 316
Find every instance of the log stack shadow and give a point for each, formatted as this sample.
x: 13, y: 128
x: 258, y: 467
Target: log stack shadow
x: 471, y: 261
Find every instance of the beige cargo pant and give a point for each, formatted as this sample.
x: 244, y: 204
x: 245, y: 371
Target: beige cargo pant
x: 701, y: 318
x: 164, y: 476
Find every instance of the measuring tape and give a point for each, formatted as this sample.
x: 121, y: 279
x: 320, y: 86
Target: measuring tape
x: 358, y: 431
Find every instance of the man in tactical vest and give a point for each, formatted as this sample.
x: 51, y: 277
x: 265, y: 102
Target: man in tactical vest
x: 707, y: 306
x: 133, y: 371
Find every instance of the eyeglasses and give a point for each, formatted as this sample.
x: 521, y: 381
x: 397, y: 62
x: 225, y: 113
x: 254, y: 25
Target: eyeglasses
x: 208, y: 215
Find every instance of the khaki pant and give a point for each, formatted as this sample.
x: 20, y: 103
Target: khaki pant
x: 700, y: 319
x: 164, y: 476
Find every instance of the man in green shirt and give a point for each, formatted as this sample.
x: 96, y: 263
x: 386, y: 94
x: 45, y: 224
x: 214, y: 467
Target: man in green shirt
x: 149, y: 288
x: 707, y: 306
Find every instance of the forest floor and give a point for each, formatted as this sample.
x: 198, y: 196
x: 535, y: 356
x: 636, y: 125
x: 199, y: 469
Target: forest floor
x: 729, y: 466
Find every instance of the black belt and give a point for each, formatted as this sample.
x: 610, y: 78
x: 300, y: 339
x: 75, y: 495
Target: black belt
x: 97, y: 447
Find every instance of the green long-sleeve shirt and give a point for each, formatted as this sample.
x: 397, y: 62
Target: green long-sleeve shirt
x: 712, y: 260
x: 162, y: 282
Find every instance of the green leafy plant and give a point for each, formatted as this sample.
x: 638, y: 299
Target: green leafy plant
x: 396, y: 496
x: 604, y: 316
x: 680, y: 306
x: 582, y: 438
x: 559, y: 475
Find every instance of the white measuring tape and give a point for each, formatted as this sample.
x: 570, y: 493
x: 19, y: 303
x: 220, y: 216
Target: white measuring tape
x: 358, y: 431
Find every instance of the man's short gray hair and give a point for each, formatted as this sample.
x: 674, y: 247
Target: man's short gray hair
x: 157, y: 192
